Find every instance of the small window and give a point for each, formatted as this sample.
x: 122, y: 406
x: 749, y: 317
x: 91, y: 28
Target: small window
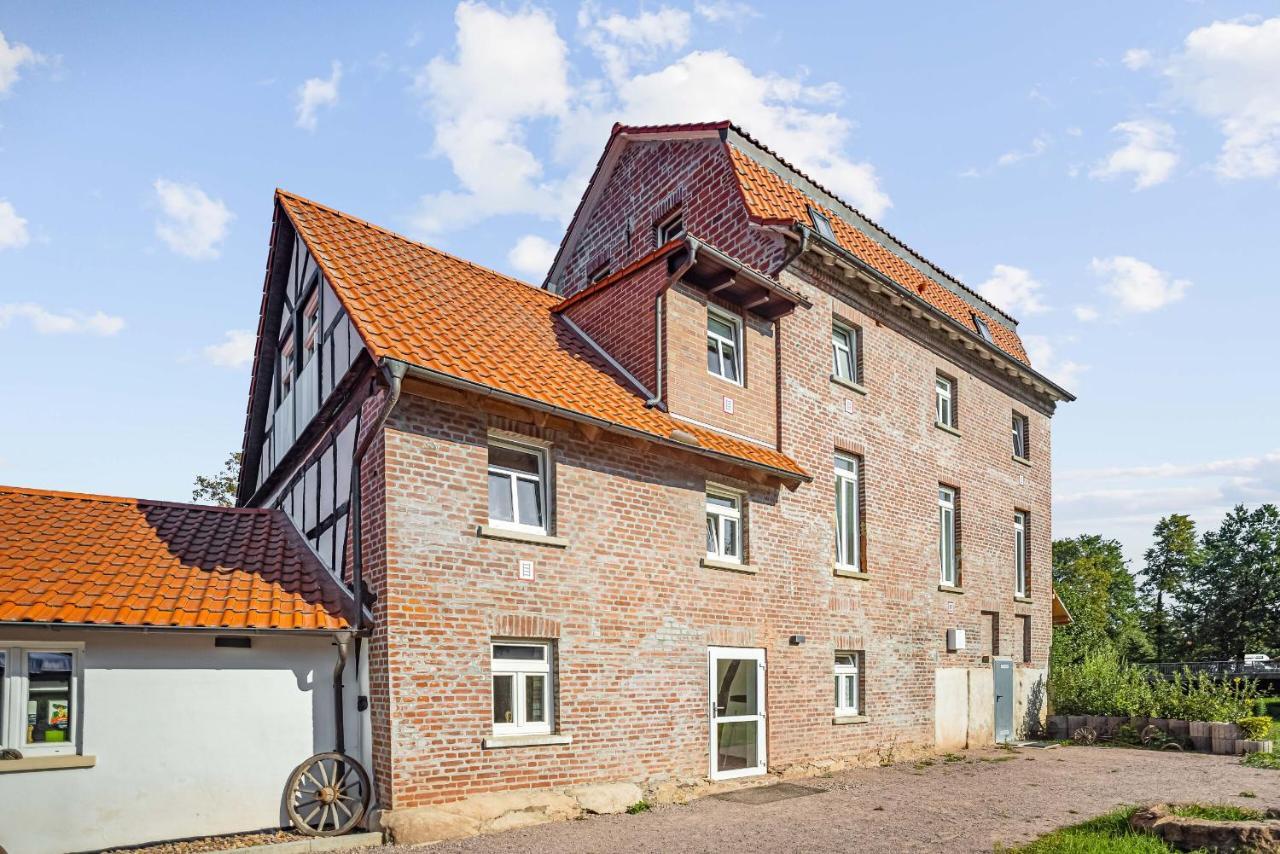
x: 521, y: 687
x: 1021, y: 581
x: 287, y: 368
x: 983, y: 329
x: 848, y: 683
x: 724, y: 346
x: 517, y: 487
x: 311, y: 326
x: 848, y: 513
x: 599, y: 273
x: 944, y: 397
x: 993, y: 623
x: 947, y: 536
x: 670, y: 228
x: 42, y: 685
x: 724, y: 526
x: 844, y: 353
x: 1026, y: 638
x: 1021, y: 437
x: 822, y: 225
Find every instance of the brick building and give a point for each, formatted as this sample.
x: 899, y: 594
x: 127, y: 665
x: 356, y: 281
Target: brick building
x: 746, y: 486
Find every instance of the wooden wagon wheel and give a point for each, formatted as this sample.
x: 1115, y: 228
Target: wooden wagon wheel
x: 327, y: 795
x: 1085, y: 735
x: 1151, y: 733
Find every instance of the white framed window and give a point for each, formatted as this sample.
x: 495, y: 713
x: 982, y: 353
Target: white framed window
x: 724, y: 345
x: 848, y: 687
x: 286, y: 366
x: 670, y: 228
x: 517, y: 487
x: 1020, y: 580
x: 944, y: 397
x: 1021, y: 432
x: 822, y: 225
x: 522, y: 697
x: 40, y: 698
x: 311, y: 326
x: 848, y: 512
x: 983, y: 329
x: 844, y: 353
x: 947, y: 536
x: 724, y: 526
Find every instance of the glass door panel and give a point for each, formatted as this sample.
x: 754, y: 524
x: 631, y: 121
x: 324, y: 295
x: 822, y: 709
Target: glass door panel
x: 737, y: 726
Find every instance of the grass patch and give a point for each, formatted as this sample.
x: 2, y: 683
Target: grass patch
x: 952, y: 757
x: 1214, y: 812
x: 639, y: 807
x: 1106, y: 834
x: 1262, y: 760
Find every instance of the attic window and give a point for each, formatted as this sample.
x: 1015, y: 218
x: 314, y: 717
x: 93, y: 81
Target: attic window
x: 983, y: 329
x: 670, y: 228
x: 599, y: 273
x: 822, y: 225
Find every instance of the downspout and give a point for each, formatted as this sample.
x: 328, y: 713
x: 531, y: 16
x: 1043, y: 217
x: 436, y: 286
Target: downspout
x: 343, y: 641
x: 656, y: 401
x: 800, y: 250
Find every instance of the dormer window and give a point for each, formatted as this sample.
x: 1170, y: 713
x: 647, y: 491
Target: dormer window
x: 822, y: 225
x: 983, y: 329
x: 724, y: 337
x: 670, y: 228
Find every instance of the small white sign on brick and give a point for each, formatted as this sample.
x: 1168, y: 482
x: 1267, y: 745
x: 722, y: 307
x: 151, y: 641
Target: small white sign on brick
x: 526, y: 570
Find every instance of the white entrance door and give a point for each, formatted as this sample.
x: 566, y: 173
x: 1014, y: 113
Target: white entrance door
x: 737, y: 712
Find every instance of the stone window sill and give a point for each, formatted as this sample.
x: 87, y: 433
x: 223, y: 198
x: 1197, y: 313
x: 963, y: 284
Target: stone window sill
x: 946, y: 428
x: 46, y: 763
x: 850, y: 719
x: 1023, y: 460
x: 492, y: 533
x: 1024, y: 600
x: 947, y: 588
x: 845, y: 572
x: 729, y: 565
x: 849, y: 384
x: 501, y: 741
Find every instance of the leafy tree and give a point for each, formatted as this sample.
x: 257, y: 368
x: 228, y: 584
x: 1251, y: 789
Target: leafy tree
x: 1095, y: 585
x: 1232, y: 596
x: 219, y: 489
x: 1170, y: 562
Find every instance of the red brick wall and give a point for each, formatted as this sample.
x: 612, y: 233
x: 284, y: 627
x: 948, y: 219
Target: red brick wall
x: 621, y: 320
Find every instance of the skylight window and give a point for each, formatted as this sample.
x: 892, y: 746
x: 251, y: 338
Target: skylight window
x: 822, y: 225
x: 983, y: 329
x: 670, y: 228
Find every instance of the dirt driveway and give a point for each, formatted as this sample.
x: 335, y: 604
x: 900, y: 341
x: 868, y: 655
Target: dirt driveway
x: 968, y: 805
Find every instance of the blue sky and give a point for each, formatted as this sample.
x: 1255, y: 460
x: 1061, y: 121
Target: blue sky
x: 1108, y: 172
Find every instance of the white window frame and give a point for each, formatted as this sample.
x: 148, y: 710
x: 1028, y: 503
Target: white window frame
x: 1020, y: 579
x: 947, y: 564
x: 288, y: 366
x: 846, y: 673
x: 983, y: 329
x: 14, y: 694
x: 944, y: 400
x: 538, y: 452
x: 735, y: 323
x: 663, y: 231
x: 845, y: 352
x: 519, y: 671
x: 848, y: 488
x: 723, y: 517
x: 1021, y: 431
x: 311, y: 325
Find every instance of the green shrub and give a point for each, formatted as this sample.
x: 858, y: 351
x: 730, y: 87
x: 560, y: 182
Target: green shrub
x: 639, y: 807
x: 1255, y: 728
x: 1263, y: 760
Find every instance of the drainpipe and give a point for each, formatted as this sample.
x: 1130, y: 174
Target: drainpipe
x: 800, y: 249
x: 656, y: 400
x: 343, y: 641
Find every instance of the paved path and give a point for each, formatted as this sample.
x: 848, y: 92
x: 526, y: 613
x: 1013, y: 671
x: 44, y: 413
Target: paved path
x: 989, y: 797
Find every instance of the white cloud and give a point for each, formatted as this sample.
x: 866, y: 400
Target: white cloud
x: 1148, y: 153
x: 1014, y: 290
x: 193, y: 224
x: 1211, y: 468
x: 1085, y: 313
x: 1136, y: 58
x: 483, y: 122
x: 1137, y: 286
x: 531, y: 256
x: 1229, y: 71
x: 235, y: 351
x: 47, y: 322
x: 13, y: 228
x: 315, y: 93
x: 12, y: 58
x: 719, y: 11
x: 1037, y: 147
x: 1045, y: 359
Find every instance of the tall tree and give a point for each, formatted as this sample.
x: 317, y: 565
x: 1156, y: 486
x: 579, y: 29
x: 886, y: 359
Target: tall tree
x: 1170, y: 562
x: 1091, y: 578
x: 1233, y: 594
x: 219, y: 489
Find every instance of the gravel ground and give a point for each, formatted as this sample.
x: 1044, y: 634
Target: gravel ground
x: 989, y: 797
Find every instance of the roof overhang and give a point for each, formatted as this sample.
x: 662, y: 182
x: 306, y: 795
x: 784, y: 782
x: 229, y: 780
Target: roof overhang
x: 175, y: 630
x: 1061, y: 616
x: 833, y: 254
x: 720, y: 275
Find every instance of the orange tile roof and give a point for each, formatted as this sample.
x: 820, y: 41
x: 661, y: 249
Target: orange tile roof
x: 770, y: 198
x: 419, y: 305
x: 93, y: 559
